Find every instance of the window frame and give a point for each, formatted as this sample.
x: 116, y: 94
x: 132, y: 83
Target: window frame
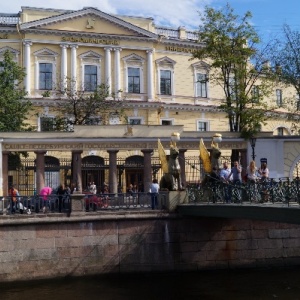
x: 40, y: 122
x: 137, y: 62
x: 200, y: 85
x: 45, y: 56
x: 135, y: 118
x: 90, y: 58
x: 279, y: 102
x: 46, y: 87
x: 165, y: 64
x: 255, y: 93
x: 204, y: 122
x: 90, y: 85
x: 171, y: 120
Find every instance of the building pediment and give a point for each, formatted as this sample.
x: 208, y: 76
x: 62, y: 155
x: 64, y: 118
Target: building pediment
x: 88, y: 20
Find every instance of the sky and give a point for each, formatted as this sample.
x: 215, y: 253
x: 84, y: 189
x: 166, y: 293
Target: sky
x: 268, y: 15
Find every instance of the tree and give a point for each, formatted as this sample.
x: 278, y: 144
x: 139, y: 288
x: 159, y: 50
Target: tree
x: 14, y: 107
x: 79, y: 107
x: 230, y: 44
x: 286, y: 58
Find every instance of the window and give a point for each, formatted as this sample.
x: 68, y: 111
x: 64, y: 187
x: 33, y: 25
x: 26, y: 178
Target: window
x: 297, y: 102
x: 279, y: 97
x: 201, y: 85
x: 114, y: 119
x: 135, y: 121
x: 90, y: 70
x: 90, y: 78
x: 255, y: 94
x: 280, y: 131
x: 133, y: 77
x: 202, y: 126
x: 165, y: 76
x: 47, y: 124
x: 45, y: 77
x: 45, y: 69
x: 134, y: 80
x: 232, y: 88
x: 165, y: 82
x: 166, y: 122
x: 94, y: 121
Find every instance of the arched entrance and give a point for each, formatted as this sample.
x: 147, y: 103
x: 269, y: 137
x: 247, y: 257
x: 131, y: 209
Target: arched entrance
x: 134, y: 170
x: 52, y: 168
x: 93, y: 170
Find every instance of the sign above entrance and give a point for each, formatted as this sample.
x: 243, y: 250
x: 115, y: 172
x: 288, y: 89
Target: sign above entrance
x: 89, y: 40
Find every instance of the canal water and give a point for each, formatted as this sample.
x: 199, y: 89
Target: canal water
x: 245, y: 284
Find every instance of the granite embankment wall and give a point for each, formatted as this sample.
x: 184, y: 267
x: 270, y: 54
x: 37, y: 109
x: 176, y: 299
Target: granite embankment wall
x: 34, y: 248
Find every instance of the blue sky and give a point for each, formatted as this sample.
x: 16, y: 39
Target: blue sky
x: 268, y: 15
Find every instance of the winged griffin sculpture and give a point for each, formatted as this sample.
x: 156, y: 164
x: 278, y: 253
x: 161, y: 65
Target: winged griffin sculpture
x: 211, y: 160
x: 171, y: 179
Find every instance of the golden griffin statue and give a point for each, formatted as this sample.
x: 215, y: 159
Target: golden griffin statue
x: 211, y: 161
x: 171, y: 179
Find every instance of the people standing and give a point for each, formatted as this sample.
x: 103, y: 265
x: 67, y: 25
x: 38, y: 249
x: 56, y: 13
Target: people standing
x: 236, y: 173
x: 14, y: 194
x: 45, y: 192
x: 61, y: 192
x: 264, y: 175
x: 263, y: 172
x: 154, y: 190
x: 225, y: 178
x: 93, y: 188
x: 251, y: 172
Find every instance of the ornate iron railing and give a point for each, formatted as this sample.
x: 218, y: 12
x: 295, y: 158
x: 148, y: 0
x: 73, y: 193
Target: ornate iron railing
x: 282, y: 191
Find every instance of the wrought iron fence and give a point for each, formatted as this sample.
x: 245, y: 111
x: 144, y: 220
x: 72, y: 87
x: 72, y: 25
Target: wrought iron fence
x: 282, y: 191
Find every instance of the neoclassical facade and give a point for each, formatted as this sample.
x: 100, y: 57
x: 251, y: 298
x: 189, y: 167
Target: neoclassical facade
x: 149, y: 66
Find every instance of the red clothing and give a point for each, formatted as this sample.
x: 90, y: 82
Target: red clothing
x: 45, y: 191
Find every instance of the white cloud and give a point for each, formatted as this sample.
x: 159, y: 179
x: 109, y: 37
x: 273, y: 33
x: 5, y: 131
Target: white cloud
x: 173, y: 13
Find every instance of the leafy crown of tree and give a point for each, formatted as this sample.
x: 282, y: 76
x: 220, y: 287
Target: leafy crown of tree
x: 14, y: 107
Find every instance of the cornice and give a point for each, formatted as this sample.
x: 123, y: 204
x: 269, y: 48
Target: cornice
x: 84, y: 12
x: 181, y: 43
x: 142, y: 105
x: 88, y: 35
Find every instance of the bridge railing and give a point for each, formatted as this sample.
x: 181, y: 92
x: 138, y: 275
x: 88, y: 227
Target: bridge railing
x: 282, y: 191
x: 36, y: 204
x: 117, y: 201
x: 63, y: 203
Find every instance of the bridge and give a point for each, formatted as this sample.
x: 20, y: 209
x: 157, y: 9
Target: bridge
x: 277, y: 201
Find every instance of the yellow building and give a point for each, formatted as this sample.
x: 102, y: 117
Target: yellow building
x: 151, y: 66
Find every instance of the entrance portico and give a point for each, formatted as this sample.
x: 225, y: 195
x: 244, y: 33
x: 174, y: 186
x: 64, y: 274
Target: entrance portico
x: 114, y: 142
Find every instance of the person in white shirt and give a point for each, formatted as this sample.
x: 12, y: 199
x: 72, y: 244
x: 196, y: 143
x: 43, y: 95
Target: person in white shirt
x: 93, y: 188
x: 154, y: 190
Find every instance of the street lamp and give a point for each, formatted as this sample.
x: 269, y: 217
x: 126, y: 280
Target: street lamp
x: 252, y: 143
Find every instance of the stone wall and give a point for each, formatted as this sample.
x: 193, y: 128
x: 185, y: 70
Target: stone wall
x: 51, y: 247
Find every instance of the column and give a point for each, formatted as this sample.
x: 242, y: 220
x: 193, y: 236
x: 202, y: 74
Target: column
x: 181, y: 158
x: 150, y: 77
x: 40, y: 170
x: 117, y: 72
x: 74, y: 68
x: 4, y: 173
x: 108, y: 68
x: 64, y: 66
x: 76, y: 170
x: 27, y: 65
x: 147, y: 169
x: 113, y: 180
x: 243, y: 162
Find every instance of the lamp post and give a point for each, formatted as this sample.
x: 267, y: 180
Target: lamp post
x: 252, y: 143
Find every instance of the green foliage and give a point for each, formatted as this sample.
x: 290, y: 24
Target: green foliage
x: 230, y: 44
x: 286, y: 59
x: 78, y: 107
x: 13, y: 106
